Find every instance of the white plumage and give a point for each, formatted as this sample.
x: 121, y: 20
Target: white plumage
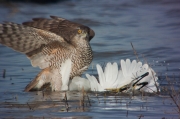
x: 65, y: 71
x: 112, y: 78
x: 78, y: 84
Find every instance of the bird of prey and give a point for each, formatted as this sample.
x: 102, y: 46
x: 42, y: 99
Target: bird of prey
x: 58, y: 46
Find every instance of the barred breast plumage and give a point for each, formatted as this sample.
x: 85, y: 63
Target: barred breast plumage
x: 51, y: 44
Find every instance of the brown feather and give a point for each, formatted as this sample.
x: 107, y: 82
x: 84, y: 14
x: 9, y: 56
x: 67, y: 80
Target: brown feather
x: 48, y: 43
x: 59, y: 26
x: 20, y: 38
x: 31, y: 86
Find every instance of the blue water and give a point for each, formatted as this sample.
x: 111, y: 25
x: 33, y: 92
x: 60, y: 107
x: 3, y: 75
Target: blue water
x: 152, y: 26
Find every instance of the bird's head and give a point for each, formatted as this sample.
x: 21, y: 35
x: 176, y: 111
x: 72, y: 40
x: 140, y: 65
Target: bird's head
x: 81, y: 35
x: 84, y: 33
x: 71, y: 31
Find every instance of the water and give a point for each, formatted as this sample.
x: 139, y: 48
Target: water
x: 152, y: 26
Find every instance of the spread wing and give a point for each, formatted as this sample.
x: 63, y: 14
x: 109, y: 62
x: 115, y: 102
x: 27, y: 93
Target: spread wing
x: 39, y: 39
x: 37, y: 44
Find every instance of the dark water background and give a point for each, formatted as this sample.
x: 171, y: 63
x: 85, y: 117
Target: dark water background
x: 153, y: 26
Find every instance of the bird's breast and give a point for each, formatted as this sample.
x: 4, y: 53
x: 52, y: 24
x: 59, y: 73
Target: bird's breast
x: 81, y: 60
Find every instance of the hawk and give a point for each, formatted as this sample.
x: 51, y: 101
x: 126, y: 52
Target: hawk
x: 58, y: 46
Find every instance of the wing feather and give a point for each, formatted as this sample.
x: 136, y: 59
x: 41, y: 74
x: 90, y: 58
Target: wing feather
x: 20, y: 38
x: 40, y: 38
x: 57, y: 25
x: 37, y: 44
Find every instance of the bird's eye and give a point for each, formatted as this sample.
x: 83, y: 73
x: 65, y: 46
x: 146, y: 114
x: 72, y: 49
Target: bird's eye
x: 79, y: 31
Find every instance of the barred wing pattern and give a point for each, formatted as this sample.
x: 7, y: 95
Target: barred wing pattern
x: 49, y: 43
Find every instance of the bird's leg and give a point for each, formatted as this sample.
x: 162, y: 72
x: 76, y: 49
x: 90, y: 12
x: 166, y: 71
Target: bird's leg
x: 143, y: 84
x: 140, y: 78
x: 117, y: 90
x: 131, y: 86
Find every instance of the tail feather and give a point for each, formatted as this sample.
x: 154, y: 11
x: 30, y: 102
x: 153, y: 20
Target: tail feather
x: 123, y: 67
x: 95, y: 86
x: 114, y: 75
x: 133, y: 66
x: 111, y: 78
x: 108, y: 73
x: 128, y: 66
x: 101, y: 75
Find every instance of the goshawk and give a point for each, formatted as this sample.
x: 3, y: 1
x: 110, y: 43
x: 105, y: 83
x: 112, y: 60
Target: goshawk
x: 56, y: 45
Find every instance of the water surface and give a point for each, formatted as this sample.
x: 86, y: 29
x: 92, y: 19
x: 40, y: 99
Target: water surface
x: 152, y: 26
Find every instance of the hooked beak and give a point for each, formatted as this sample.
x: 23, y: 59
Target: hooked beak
x: 91, y: 34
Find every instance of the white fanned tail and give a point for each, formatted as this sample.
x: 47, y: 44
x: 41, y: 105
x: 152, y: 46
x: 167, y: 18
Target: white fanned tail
x: 107, y: 79
x: 65, y: 71
x: 112, y: 78
x: 133, y: 70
